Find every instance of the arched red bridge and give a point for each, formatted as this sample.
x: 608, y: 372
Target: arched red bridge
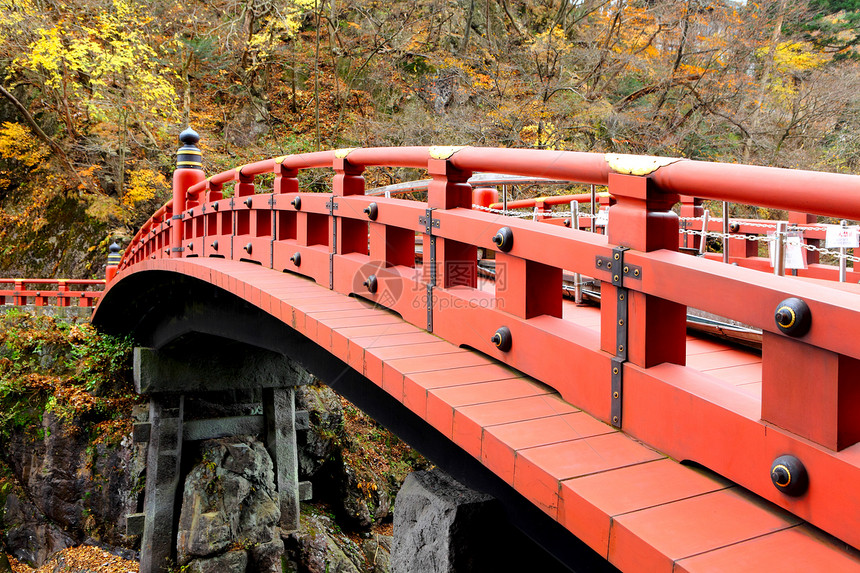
x: 656, y: 449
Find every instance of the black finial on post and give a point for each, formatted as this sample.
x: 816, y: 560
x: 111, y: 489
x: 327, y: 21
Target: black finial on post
x: 189, y: 137
x: 189, y: 156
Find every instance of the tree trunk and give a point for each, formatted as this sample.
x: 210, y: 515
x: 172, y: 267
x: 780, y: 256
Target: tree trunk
x: 39, y: 133
x: 468, y: 29
x: 765, y: 79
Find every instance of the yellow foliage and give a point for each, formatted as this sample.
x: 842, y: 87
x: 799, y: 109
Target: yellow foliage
x: 123, y: 71
x: 18, y: 143
x: 143, y: 184
x: 103, y: 207
x: 793, y: 57
x: 542, y: 135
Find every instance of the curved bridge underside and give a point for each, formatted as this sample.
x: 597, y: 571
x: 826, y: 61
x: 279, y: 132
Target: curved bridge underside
x: 584, y: 490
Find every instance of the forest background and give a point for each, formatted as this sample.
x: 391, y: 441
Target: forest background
x: 94, y: 92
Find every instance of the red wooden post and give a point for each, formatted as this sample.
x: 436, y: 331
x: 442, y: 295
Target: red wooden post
x: 642, y: 220
x: 456, y: 263
x: 348, y: 180
x: 63, y: 293
x: 541, y: 211
x: 528, y: 289
x: 485, y: 196
x: 810, y: 391
x: 286, y: 179
x: 18, y: 299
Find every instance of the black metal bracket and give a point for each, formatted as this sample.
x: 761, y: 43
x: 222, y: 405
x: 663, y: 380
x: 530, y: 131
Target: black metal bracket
x: 429, y: 224
x: 274, y: 231
x: 331, y: 205
x: 233, y: 227
x: 618, y: 269
x: 617, y: 371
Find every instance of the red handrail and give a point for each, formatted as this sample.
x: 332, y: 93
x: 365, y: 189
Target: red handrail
x: 25, y: 290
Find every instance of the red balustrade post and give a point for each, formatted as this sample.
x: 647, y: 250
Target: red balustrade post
x: 456, y: 263
x: 810, y: 391
x: 189, y: 171
x: 485, y: 196
x: 541, y: 211
x: 348, y: 180
x: 244, y: 184
x: 642, y: 220
x: 286, y: 179
x: 63, y: 293
x: 213, y: 192
x: 18, y: 299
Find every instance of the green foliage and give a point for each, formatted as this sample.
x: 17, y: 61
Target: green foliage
x: 71, y: 370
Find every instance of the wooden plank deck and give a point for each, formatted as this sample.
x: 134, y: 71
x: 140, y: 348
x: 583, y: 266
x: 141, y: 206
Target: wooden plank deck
x: 638, y: 508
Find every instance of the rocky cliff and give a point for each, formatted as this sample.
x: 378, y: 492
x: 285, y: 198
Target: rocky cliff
x: 70, y: 472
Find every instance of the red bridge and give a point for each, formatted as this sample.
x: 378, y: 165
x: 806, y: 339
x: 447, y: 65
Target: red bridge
x: 614, y: 433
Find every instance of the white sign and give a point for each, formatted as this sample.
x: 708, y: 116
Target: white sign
x: 841, y: 237
x: 794, y: 254
x: 602, y: 218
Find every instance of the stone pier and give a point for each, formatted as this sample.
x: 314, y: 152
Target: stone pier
x: 170, y: 383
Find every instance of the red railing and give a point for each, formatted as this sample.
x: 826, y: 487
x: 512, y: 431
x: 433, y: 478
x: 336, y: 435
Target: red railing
x: 51, y: 292
x: 357, y: 244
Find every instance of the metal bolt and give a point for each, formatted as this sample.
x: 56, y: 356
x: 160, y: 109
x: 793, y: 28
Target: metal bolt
x: 615, y: 395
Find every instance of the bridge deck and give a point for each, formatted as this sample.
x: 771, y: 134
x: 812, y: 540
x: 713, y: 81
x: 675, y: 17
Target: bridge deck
x: 633, y: 505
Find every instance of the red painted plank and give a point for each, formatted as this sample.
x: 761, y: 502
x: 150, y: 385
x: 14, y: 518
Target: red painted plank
x: 722, y: 359
x: 703, y: 345
x: 394, y: 339
x: 538, y: 471
x: 799, y: 549
x: 415, y: 386
x: 501, y: 442
x: 393, y: 371
x: 373, y: 358
x: 338, y: 340
x: 653, y: 539
x: 442, y: 401
x: 588, y: 503
x: 470, y: 421
x: 742, y: 374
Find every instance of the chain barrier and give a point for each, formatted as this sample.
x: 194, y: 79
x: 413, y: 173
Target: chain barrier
x: 713, y: 234
x: 768, y: 239
x: 524, y: 215
x: 771, y: 226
